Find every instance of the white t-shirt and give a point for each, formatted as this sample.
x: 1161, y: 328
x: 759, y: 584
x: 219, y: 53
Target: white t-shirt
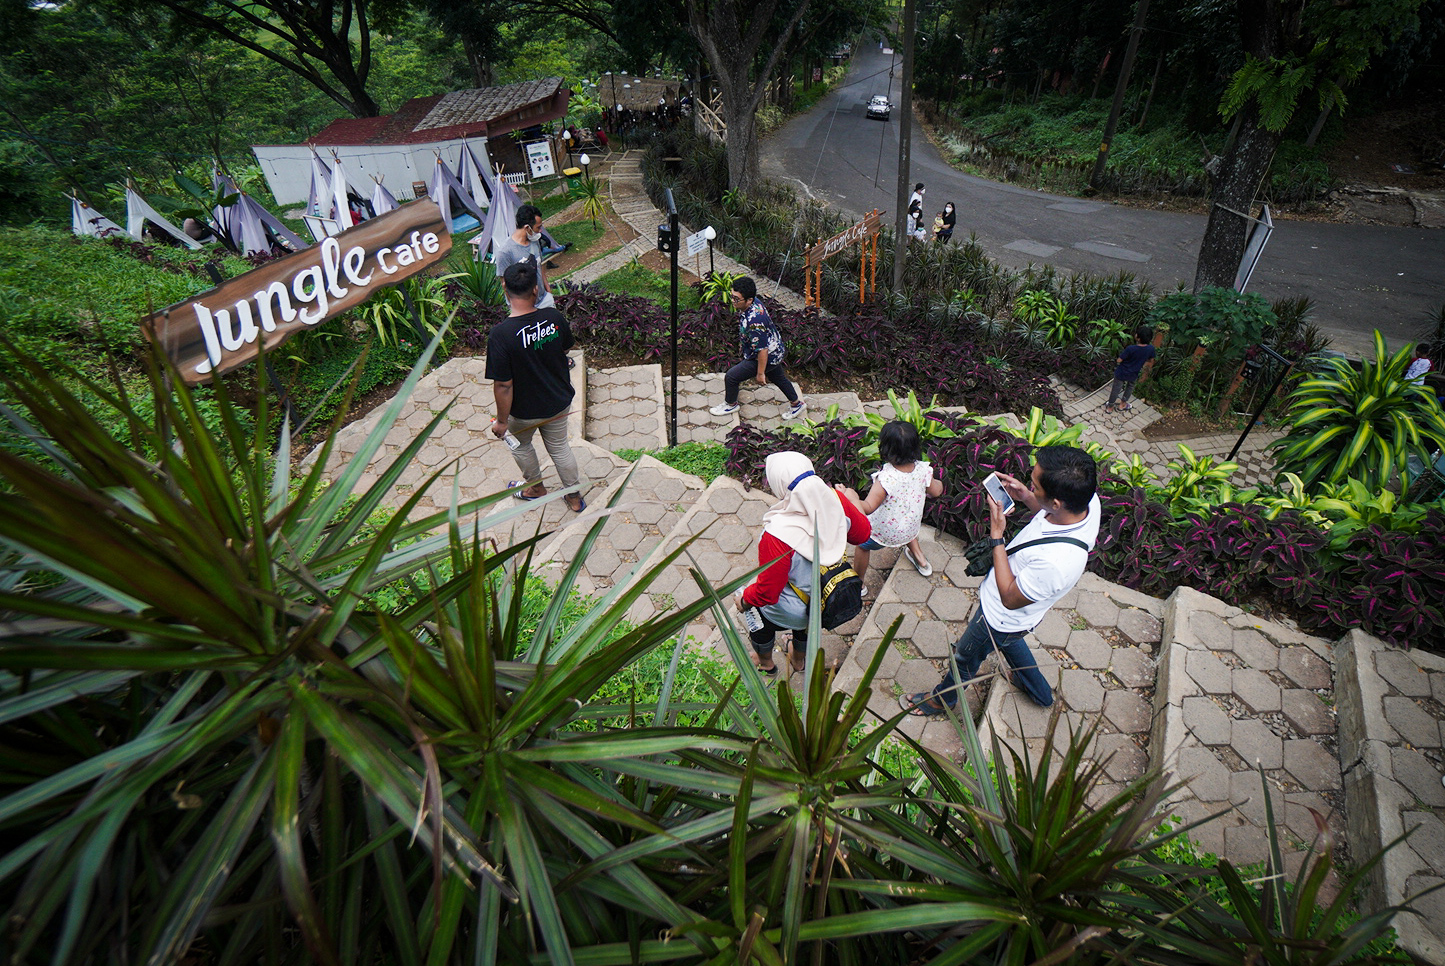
x: 1043, y: 574
x: 1417, y: 370
x: 896, y: 521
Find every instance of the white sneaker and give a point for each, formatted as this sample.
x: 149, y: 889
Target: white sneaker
x: 925, y: 569
x: 796, y: 410
x: 724, y: 409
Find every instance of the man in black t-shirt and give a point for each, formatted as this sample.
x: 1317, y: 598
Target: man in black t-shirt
x: 527, y: 363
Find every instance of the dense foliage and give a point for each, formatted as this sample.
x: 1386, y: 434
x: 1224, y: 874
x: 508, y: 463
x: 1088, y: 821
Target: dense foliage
x: 247, y: 722
x: 1256, y: 555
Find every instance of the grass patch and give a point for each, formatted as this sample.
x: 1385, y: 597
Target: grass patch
x: 582, y: 234
x: 637, y: 279
x: 705, y: 460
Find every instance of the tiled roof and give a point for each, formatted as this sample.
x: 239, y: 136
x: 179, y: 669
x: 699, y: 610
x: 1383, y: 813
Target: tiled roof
x: 486, y: 103
x: 444, y: 117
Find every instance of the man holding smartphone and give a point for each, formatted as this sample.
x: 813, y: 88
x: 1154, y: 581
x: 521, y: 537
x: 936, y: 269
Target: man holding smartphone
x: 1030, y: 573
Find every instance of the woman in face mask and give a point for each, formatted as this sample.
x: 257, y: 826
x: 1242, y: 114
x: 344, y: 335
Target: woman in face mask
x: 949, y: 219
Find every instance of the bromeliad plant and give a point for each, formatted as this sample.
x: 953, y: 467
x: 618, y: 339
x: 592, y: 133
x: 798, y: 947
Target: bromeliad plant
x: 1361, y: 424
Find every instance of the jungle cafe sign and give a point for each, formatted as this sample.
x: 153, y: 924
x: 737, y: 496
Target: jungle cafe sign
x: 866, y: 231
x: 218, y: 330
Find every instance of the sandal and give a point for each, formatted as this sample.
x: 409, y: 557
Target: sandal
x: 513, y: 484
x: 581, y: 505
x: 770, y: 672
x: 922, y: 704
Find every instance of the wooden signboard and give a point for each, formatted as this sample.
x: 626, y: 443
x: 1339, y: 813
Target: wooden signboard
x: 866, y: 231
x: 218, y: 330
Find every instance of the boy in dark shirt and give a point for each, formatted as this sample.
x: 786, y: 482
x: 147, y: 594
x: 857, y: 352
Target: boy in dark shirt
x: 1132, y: 360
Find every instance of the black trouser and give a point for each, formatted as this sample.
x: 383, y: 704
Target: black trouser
x: 763, y: 639
x: 748, y: 369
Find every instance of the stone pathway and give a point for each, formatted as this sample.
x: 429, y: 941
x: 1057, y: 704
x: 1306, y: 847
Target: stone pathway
x: 1204, y: 691
x: 1392, y: 746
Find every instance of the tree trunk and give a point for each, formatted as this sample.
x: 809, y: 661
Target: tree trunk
x: 1241, y: 170
x: 1153, y: 85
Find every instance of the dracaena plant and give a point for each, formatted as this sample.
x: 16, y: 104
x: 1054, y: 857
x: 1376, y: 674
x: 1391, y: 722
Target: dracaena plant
x: 1360, y: 423
x: 222, y: 736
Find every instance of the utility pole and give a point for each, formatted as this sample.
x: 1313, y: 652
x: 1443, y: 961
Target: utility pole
x: 1113, y: 124
x: 905, y: 146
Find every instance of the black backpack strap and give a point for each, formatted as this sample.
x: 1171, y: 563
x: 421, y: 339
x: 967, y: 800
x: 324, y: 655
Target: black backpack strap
x: 1034, y: 543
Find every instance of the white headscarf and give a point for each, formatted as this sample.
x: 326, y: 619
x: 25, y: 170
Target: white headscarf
x: 806, y: 506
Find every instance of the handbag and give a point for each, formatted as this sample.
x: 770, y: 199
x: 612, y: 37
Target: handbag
x: 980, y: 552
x: 842, y: 594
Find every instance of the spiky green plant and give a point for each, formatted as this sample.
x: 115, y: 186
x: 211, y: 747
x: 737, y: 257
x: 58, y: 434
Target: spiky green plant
x: 1360, y: 423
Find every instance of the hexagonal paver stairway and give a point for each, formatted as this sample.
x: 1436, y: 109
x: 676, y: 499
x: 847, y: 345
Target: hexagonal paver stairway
x: 625, y: 408
x: 1392, y: 743
x: 652, y: 498
x: 1098, y: 649
x: 462, y: 449
x: 1237, y: 693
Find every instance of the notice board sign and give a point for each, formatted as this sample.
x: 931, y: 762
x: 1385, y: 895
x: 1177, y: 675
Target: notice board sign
x: 539, y: 160
x: 218, y: 330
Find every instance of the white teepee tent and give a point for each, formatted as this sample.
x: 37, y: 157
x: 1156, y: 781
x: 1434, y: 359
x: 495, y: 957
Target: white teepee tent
x: 138, y: 212
x: 474, y: 177
x: 318, y: 201
x: 443, y: 187
x: 381, y: 199
x: 339, y: 200
x: 85, y: 220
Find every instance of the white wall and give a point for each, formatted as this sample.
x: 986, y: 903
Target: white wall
x: 288, y: 166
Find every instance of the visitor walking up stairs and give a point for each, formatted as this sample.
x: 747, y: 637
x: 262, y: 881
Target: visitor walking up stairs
x: 1347, y: 736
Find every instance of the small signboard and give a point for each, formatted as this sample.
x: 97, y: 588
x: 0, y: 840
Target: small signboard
x: 221, y: 329
x: 539, y: 160
x: 697, y: 242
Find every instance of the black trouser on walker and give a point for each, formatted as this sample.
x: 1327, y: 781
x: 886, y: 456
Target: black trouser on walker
x: 763, y: 640
x: 748, y: 369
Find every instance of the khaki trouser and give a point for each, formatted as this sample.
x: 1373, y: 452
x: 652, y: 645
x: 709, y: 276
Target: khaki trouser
x: 554, y: 437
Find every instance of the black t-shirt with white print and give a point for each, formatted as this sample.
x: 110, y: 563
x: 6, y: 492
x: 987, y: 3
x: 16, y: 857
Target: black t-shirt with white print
x: 530, y: 351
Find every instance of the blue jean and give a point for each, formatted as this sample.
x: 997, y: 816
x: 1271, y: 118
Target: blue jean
x: 975, y: 645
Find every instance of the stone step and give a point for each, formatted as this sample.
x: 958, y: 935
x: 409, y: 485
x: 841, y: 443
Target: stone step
x: 1097, y: 648
x: 1391, y: 706
x: 651, y: 499
x: 626, y: 408
x: 1234, y: 692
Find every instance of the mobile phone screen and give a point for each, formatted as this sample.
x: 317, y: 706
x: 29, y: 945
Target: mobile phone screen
x: 995, y: 489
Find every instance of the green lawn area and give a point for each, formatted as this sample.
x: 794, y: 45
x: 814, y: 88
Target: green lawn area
x: 582, y: 234
x: 636, y: 279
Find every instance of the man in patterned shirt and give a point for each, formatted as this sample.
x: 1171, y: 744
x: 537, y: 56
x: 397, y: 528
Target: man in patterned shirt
x: 762, y: 349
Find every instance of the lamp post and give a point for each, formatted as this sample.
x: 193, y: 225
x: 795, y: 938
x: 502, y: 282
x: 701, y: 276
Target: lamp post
x: 567, y: 137
x: 710, y: 233
x: 586, y: 170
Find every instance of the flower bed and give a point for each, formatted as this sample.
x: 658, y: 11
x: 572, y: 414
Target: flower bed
x: 1387, y: 583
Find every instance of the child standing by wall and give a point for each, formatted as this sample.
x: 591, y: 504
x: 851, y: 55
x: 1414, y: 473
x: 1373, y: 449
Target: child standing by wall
x: 1132, y: 360
x: 1419, y: 365
x: 895, y: 502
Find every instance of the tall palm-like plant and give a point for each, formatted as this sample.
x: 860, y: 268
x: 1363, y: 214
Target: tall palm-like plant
x: 1361, y: 424
x: 215, y: 733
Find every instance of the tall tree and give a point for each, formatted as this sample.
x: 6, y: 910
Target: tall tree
x: 311, y: 38
x: 736, y: 36
x: 1292, y: 48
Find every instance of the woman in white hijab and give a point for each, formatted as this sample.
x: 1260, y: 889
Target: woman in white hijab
x: 806, y: 507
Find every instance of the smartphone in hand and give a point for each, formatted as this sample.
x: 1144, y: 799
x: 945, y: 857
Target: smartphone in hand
x: 995, y: 489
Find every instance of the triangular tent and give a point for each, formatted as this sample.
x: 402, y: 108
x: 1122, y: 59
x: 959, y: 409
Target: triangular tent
x: 318, y: 201
x: 501, y: 217
x: 85, y: 220
x: 444, y: 186
x: 381, y: 199
x: 138, y: 212
x: 476, y: 179
x: 339, y: 189
x: 252, y: 228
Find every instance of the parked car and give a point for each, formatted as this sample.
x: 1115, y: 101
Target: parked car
x: 879, y: 107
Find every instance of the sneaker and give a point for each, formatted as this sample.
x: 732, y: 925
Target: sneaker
x: 796, y: 409
x: 924, y: 568
x: 724, y: 409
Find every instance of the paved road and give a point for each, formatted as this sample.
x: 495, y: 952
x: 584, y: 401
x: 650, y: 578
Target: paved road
x: 1361, y: 277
